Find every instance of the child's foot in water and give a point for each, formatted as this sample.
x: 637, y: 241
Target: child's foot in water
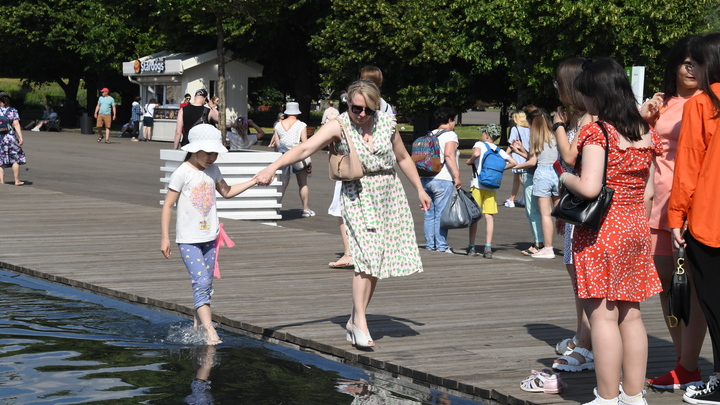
x: 211, y: 336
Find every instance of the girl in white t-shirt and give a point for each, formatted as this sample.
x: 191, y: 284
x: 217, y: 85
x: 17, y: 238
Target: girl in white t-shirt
x: 193, y: 187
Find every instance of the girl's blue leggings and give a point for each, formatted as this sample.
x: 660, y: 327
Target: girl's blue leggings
x: 199, y: 259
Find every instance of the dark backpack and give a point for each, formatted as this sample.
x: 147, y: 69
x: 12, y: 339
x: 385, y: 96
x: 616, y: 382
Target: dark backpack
x: 5, y: 123
x: 492, y: 167
x: 425, y: 152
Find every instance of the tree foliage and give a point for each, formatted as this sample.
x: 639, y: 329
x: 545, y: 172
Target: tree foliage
x: 67, y: 41
x: 454, y: 52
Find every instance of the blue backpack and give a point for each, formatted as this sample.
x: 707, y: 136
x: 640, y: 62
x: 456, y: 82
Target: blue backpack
x: 492, y: 167
x: 425, y: 152
x: 5, y: 123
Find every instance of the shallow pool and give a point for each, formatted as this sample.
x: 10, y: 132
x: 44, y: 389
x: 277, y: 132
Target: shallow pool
x: 63, y: 346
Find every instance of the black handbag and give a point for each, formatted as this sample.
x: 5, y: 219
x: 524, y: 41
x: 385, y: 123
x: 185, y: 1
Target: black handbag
x: 679, y: 294
x: 588, y: 213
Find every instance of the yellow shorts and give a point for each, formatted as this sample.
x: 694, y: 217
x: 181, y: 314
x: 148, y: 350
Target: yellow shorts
x: 485, y: 199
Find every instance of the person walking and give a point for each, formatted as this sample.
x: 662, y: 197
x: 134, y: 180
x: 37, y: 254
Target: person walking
x: 105, y: 113
x: 11, y: 140
x: 288, y: 134
x: 192, y: 186
x: 695, y: 197
x: 614, y: 268
x: 441, y: 186
x: 375, y: 209
x: 664, y: 112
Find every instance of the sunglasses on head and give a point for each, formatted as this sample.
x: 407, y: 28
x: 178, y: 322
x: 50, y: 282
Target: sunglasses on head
x: 356, y: 109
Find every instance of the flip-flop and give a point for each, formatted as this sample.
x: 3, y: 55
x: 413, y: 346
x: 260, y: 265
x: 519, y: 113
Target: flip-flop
x: 530, y: 251
x: 336, y: 265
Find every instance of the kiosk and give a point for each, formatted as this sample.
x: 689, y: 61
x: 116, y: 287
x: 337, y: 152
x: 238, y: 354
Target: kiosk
x: 166, y: 77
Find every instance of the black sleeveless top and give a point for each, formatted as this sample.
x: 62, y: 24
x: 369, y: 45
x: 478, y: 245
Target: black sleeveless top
x: 193, y: 115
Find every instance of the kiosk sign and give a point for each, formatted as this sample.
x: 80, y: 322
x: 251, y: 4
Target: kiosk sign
x: 155, y: 66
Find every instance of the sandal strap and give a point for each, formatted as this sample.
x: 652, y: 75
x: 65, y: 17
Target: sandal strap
x: 587, y: 354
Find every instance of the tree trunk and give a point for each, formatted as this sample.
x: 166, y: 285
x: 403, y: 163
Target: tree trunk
x: 68, y: 117
x: 221, y: 75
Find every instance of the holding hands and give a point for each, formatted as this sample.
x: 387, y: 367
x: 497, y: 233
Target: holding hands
x: 264, y: 177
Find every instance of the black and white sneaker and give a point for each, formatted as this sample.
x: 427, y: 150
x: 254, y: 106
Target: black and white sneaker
x: 709, y: 394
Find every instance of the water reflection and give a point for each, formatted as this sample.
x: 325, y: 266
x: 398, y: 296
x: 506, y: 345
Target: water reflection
x: 61, y: 346
x: 203, y: 361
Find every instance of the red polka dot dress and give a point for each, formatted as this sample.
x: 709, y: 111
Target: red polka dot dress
x: 615, y: 262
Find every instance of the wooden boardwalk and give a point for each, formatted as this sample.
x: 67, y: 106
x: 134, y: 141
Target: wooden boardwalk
x: 471, y: 326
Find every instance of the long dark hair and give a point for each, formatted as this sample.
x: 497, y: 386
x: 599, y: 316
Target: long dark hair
x: 606, y: 82
x: 706, y: 53
x: 676, y: 57
x: 570, y: 98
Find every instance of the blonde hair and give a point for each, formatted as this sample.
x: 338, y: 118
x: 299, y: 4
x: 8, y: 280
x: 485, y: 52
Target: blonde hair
x: 368, y: 90
x: 520, y: 119
x: 540, y: 132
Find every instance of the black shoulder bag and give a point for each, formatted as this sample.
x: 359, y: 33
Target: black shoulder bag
x: 588, y: 213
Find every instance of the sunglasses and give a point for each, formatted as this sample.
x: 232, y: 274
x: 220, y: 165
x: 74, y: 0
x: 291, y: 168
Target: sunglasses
x: 689, y: 67
x: 356, y: 109
x: 586, y: 64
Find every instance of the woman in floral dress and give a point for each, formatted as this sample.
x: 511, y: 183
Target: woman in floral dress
x: 614, y: 266
x: 375, y: 209
x: 11, y: 141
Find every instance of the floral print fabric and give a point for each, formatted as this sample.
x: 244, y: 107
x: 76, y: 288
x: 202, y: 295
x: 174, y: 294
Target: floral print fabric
x: 10, y: 150
x: 615, y: 262
x: 379, y: 223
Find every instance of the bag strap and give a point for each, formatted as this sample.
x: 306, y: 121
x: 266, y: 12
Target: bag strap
x: 343, y: 135
x: 607, y: 150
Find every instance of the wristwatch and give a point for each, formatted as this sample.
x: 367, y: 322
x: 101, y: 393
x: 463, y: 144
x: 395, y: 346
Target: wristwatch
x: 558, y: 125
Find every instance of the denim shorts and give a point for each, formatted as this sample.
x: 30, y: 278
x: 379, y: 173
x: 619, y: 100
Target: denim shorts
x: 545, y: 181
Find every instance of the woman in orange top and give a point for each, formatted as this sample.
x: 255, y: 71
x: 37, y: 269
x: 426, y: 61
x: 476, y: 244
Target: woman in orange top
x: 695, y: 196
x: 664, y: 113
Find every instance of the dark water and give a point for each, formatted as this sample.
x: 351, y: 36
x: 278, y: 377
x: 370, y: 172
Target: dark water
x: 62, y: 346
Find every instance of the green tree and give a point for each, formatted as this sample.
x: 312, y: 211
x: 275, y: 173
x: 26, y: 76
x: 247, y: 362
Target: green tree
x: 66, y: 42
x: 198, y: 17
x: 455, y: 52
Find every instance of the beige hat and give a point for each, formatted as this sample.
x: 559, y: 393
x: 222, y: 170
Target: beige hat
x: 206, y: 138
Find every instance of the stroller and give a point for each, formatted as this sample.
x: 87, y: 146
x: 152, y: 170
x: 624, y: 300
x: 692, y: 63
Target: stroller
x: 127, y: 129
x: 53, y: 123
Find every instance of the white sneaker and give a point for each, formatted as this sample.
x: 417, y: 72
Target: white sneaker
x: 35, y: 130
x: 544, y: 253
x: 510, y: 204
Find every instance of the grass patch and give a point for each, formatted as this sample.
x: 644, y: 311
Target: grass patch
x: 34, y: 97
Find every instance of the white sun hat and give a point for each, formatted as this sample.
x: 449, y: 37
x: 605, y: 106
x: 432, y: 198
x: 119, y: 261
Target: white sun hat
x: 292, y: 108
x: 206, y: 138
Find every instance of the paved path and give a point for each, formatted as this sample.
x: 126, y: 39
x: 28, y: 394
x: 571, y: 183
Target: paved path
x: 89, y: 218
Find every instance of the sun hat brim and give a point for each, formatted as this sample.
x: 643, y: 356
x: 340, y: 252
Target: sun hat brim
x: 205, y: 146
